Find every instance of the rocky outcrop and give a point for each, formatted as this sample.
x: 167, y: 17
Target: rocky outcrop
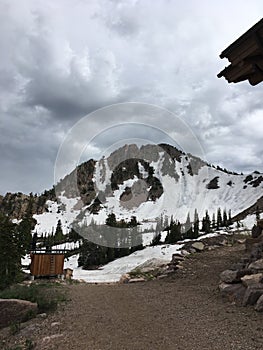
x: 15, y: 311
x: 243, y: 282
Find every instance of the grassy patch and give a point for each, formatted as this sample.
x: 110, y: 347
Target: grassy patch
x: 150, y: 275
x: 46, y: 295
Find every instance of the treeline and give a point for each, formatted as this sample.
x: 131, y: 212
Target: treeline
x: 113, y: 244
x: 176, y: 231
x: 15, y: 241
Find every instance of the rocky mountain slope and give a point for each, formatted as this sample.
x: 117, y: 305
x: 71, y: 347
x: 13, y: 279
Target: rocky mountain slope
x: 144, y: 181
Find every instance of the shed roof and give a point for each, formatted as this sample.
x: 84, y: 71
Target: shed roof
x: 246, y: 57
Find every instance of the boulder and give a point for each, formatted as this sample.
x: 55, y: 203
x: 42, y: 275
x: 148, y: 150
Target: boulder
x: 259, y: 304
x: 249, y: 280
x: 232, y: 292
x: 177, y: 257
x: 16, y: 310
x: 199, y: 246
x: 252, y: 294
x: 230, y: 276
x: 135, y: 280
x: 256, y: 265
x: 125, y: 278
x: 256, y: 231
x: 233, y: 276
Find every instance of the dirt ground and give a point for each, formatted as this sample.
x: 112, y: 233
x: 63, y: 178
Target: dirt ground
x: 182, y: 312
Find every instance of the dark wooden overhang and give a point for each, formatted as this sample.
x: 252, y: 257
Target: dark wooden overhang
x: 246, y: 57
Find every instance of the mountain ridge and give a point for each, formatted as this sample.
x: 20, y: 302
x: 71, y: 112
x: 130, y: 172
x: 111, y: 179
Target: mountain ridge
x: 147, y: 181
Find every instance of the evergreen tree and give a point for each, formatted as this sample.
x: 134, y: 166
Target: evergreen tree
x: 11, y: 252
x: 133, y: 222
x: 156, y: 239
x: 111, y: 220
x: 225, y: 220
x: 188, y: 223
x: 58, y: 233
x: 213, y: 221
x: 219, y: 219
x: 196, y: 225
x: 74, y: 236
x: 174, y: 234
x: 257, y: 213
x: 34, y: 241
x: 229, y: 218
x: 206, y: 223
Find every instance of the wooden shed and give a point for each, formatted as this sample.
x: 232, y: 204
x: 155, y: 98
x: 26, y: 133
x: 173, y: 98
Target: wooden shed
x: 47, y: 264
x: 246, y: 57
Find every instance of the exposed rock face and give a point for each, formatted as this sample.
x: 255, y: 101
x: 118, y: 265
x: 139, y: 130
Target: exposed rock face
x: 199, y: 246
x: 16, y: 205
x: 15, y: 310
x: 243, y: 284
x: 259, y: 304
x: 256, y: 265
x: 232, y: 276
x: 232, y: 292
x: 249, y: 280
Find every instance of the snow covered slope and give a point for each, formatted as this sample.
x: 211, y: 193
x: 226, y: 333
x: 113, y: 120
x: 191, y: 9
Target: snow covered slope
x: 146, y: 182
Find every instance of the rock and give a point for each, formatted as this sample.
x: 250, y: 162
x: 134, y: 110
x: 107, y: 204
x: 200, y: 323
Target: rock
x: 160, y: 277
x: 184, y: 252
x: 233, y: 276
x: 252, y: 294
x: 191, y: 250
x: 229, y: 276
x: 125, y: 278
x: 44, y: 315
x: 259, y: 304
x: 135, y: 280
x: 250, y: 242
x: 232, y: 292
x: 249, y: 280
x: 15, y: 310
x: 256, y: 231
x: 177, y: 257
x: 256, y: 265
x: 260, y: 223
x: 55, y: 324
x: 224, y: 242
x: 47, y: 339
x: 199, y: 246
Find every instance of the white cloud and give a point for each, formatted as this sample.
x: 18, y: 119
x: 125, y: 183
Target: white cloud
x: 63, y: 59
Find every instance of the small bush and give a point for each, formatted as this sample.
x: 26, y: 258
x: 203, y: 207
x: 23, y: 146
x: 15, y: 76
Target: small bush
x: 46, y: 295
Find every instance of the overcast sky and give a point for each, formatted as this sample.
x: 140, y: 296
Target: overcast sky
x: 60, y: 60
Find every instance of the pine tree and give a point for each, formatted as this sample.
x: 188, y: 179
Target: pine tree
x: 156, y: 239
x: 58, y: 233
x: 257, y: 213
x: 207, y: 223
x: 213, y: 221
x: 219, y: 219
x: 225, y: 220
x: 111, y: 220
x: 196, y: 225
x: 133, y: 221
x: 229, y: 218
x: 188, y: 223
x: 11, y: 252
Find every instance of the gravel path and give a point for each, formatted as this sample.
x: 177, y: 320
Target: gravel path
x: 184, y: 311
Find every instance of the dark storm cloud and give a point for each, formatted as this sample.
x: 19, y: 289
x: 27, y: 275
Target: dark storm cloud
x: 63, y: 60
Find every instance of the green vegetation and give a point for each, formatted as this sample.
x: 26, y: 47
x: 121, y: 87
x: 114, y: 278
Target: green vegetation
x: 46, y: 295
x: 129, y: 240
x: 15, y: 240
